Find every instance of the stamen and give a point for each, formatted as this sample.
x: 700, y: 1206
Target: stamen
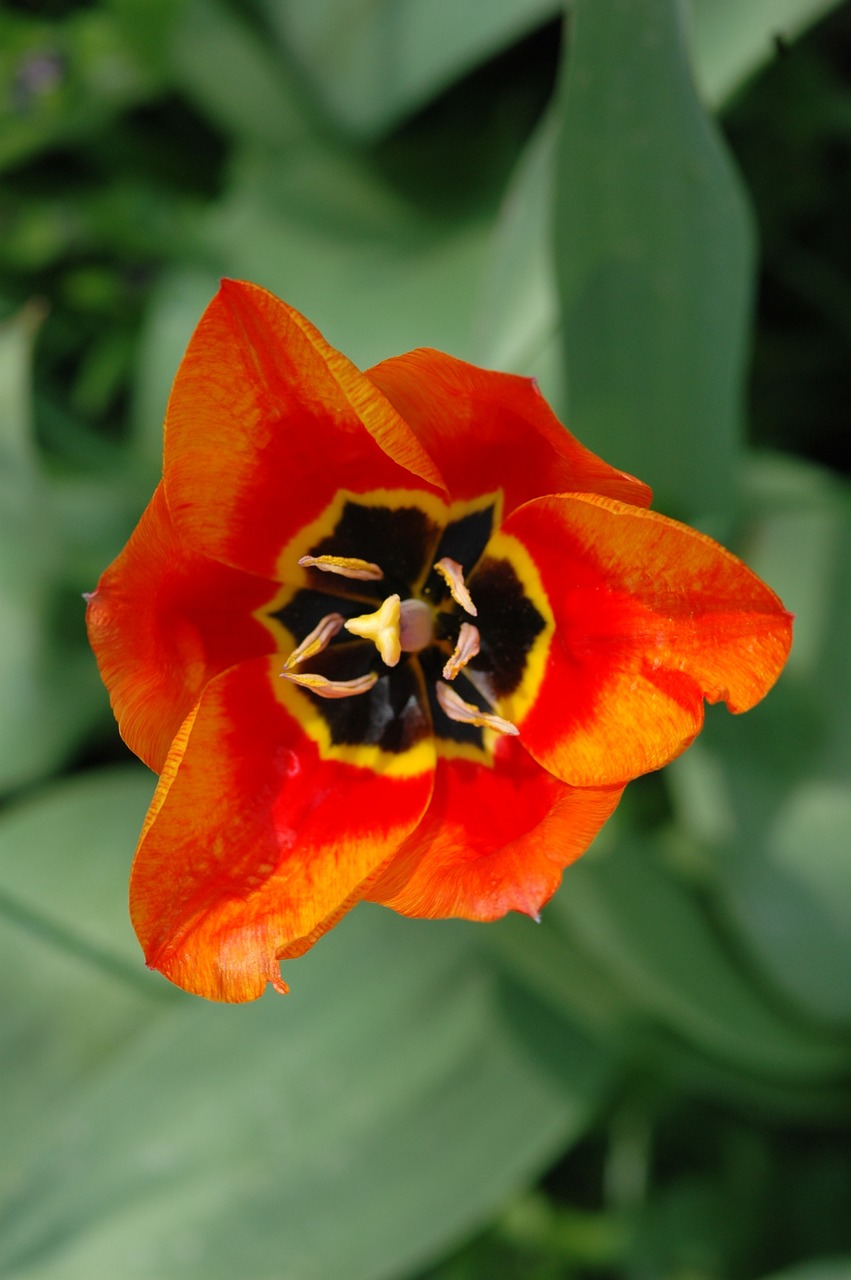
x: 345, y: 566
x: 318, y: 639
x: 382, y: 628
x: 331, y: 688
x: 468, y: 645
x: 453, y: 575
x: 465, y: 713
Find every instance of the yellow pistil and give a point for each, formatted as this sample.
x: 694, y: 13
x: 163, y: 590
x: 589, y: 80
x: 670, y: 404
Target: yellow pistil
x: 331, y: 688
x: 318, y: 639
x: 457, y: 709
x: 382, y: 628
x: 345, y: 566
x: 467, y: 646
x: 453, y: 575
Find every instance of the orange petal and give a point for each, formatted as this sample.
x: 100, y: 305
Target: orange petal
x: 494, y: 839
x: 651, y: 617
x: 488, y: 431
x: 266, y: 423
x: 254, y: 845
x: 163, y: 621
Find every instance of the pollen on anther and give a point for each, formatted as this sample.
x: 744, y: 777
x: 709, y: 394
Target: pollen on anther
x: 345, y: 566
x: 325, y: 688
x: 454, y: 706
x: 453, y: 575
x: 466, y: 648
x: 317, y: 640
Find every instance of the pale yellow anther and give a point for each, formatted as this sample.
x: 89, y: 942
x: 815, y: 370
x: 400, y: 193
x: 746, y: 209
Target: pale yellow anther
x: 345, y: 566
x: 463, y: 712
x: 331, y: 688
x: 468, y: 645
x: 318, y: 639
x: 382, y: 628
x: 453, y: 575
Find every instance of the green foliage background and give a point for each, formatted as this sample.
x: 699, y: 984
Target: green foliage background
x: 654, y: 1082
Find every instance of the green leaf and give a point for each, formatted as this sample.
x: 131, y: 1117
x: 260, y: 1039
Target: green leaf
x: 321, y: 230
x: 816, y: 1269
x: 370, y: 65
x: 733, y: 40
x: 649, y: 931
x: 48, y: 698
x: 654, y: 258
x: 62, y: 80
x: 516, y: 325
x: 358, y: 1127
x: 235, y: 76
x: 770, y: 803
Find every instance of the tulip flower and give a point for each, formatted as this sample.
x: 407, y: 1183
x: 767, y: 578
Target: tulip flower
x: 395, y: 636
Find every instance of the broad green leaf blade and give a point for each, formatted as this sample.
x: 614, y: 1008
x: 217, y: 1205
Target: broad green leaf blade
x: 357, y: 1127
x: 649, y: 931
x: 654, y: 257
x: 76, y: 989
x: 372, y: 64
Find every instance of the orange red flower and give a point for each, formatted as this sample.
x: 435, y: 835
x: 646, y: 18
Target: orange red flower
x: 392, y: 635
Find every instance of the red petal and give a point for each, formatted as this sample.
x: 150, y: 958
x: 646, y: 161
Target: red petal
x: 254, y: 844
x: 163, y: 621
x: 266, y: 423
x: 488, y: 431
x: 651, y: 617
x: 494, y: 839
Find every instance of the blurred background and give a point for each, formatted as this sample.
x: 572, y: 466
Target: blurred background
x: 646, y: 204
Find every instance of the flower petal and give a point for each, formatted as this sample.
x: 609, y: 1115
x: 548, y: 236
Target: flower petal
x: 254, y: 844
x: 651, y: 617
x: 488, y: 431
x: 163, y: 621
x: 495, y: 839
x: 266, y: 424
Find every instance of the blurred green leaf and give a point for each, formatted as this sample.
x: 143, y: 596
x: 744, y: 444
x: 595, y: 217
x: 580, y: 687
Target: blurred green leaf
x: 733, y: 40
x: 770, y: 796
x: 654, y: 258
x: 62, y: 80
x: 816, y: 1269
x: 325, y: 232
x: 49, y: 697
x: 649, y: 931
x: 517, y: 316
x: 385, y: 1108
x: 517, y: 324
x: 370, y: 65
x: 236, y: 77
x: 375, y: 274
x: 75, y: 990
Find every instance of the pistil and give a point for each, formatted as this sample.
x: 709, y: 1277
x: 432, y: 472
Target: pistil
x: 383, y: 628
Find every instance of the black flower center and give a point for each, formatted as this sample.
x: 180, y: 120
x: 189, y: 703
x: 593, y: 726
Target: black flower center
x: 407, y: 628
